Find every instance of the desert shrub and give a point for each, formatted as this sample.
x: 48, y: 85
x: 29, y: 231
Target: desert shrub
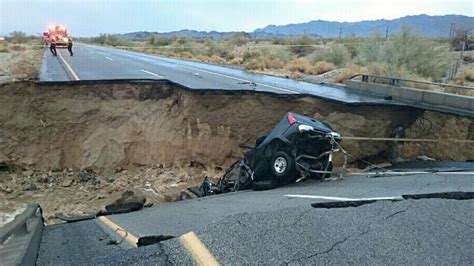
x: 17, y: 37
x: 301, y: 45
x: 218, y: 50
x: 240, y: 38
x: 216, y: 59
x: 406, y: 54
x: 278, y: 40
x: 182, y: 40
x: 349, y: 72
x: 419, y: 56
x: 17, y: 48
x: 352, y: 44
x: 299, y: 65
x: 468, y: 58
x: 109, y: 39
x: 250, y: 55
x: 273, y: 63
x: 321, y: 67
x: 4, y: 48
x: 469, y: 75
x: 236, y: 60
x: 304, y: 66
x: 336, y: 54
x: 462, y: 35
x: 370, y: 51
x: 254, y: 64
x: 160, y: 40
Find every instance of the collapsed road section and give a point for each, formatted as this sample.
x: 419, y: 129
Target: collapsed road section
x: 82, y: 135
x: 88, y: 137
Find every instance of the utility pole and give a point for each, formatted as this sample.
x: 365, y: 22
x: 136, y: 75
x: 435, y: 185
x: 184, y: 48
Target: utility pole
x: 340, y: 32
x: 386, y: 33
x: 452, y: 30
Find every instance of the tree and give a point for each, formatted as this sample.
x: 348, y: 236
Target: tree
x: 18, y: 37
x: 240, y: 38
x: 462, y: 34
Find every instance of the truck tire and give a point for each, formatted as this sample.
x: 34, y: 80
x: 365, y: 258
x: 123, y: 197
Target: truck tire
x: 283, y: 167
x: 263, y: 185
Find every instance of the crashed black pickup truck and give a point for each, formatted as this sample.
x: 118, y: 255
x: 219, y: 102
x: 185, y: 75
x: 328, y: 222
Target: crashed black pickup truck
x: 298, y: 147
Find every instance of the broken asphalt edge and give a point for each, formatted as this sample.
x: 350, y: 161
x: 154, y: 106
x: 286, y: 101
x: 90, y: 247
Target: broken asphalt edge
x: 438, y: 108
x: 453, y: 195
x: 29, y: 223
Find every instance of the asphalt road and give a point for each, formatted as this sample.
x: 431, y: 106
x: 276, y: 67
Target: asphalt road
x: 281, y: 226
x: 181, y: 217
x: 92, y: 62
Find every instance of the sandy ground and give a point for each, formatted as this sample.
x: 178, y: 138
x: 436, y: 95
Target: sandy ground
x: 79, y: 193
x: 19, y: 61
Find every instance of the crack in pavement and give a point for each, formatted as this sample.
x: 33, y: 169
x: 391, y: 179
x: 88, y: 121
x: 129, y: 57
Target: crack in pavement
x: 331, y: 248
x: 397, y: 212
x: 347, y: 238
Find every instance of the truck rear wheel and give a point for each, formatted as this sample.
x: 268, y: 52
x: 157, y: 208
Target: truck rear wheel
x: 283, y: 167
x: 264, y: 185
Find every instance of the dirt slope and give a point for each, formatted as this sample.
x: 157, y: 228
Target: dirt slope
x: 121, y: 130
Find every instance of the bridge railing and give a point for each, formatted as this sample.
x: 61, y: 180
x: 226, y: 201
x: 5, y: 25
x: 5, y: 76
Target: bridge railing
x: 427, y: 85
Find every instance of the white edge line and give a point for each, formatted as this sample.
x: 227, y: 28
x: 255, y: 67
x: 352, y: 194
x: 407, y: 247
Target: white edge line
x: 341, y: 199
x: 151, y: 73
x: 68, y: 66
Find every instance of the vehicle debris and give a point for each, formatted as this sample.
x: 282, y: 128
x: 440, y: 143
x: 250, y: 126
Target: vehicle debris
x: 298, y: 147
x: 129, y: 201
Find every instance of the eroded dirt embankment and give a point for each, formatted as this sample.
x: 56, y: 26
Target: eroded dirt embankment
x: 114, y: 128
x: 107, y: 127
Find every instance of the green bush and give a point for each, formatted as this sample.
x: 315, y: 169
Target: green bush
x: 405, y: 55
x: 301, y: 45
x: 17, y: 37
x: 219, y: 50
x: 249, y: 55
x: 160, y: 40
x: 419, y: 56
x: 240, y: 38
x: 278, y: 40
x: 336, y: 54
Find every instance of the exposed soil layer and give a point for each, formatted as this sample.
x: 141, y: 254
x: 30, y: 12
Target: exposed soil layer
x: 109, y: 128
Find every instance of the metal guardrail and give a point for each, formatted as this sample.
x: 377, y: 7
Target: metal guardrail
x: 20, y: 239
x: 398, y: 81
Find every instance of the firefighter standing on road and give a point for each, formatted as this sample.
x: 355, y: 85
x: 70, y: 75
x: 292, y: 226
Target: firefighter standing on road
x: 69, y: 45
x: 52, y: 46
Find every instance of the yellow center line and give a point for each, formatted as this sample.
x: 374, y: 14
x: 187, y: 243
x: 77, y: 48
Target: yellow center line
x: 198, y: 251
x: 131, y: 239
x: 76, y: 77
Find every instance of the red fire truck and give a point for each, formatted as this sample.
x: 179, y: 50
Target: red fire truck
x: 58, y: 33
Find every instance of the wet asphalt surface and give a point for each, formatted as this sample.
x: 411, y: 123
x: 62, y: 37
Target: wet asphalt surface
x: 92, y: 62
x: 268, y: 227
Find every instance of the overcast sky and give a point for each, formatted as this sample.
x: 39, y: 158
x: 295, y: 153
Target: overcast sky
x: 89, y: 18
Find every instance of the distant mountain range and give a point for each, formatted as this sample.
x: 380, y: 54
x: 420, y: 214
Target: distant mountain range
x: 428, y: 26
x: 181, y: 33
